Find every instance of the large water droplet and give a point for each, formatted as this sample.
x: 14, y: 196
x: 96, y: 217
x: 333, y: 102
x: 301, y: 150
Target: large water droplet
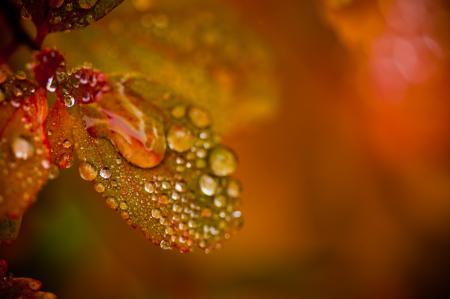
x: 138, y: 136
x: 222, y: 161
x: 87, y: 171
x: 22, y: 148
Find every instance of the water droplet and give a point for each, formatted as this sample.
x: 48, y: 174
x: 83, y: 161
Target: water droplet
x: 53, y: 172
x: 149, y: 187
x: 220, y: 201
x: 180, y: 186
x: 105, y: 173
x: 50, y: 86
x: 112, y: 203
x: 22, y: 148
x: 180, y: 139
x: 87, y: 171
x: 165, y: 245
x: 67, y: 144
x: 179, y: 111
x: 69, y: 101
x: 199, y: 117
x: 86, y: 4
x: 222, y: 161
x: 100, y: 188
x: 234, y: 188
x: 156, y: 213
x: 208, y: 185
x: 123, y: 206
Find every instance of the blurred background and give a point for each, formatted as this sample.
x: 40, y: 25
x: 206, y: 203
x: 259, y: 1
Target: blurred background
x: 346, y: 180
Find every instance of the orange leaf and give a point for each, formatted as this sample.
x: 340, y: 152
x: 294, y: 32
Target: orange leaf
x: 156, y: 161
x: 24, y: 154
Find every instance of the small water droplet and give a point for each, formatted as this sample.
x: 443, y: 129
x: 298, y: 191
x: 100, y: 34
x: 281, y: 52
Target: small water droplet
x: 50, y: 86
x: 199, y: 117
x: 208, y: 185
x: 53, y: 172
x: 112, y: 203
x: 69, y: 101
x: 123, y: 206
x: 180, y: 138
x: 222, y: 161
x: 105, y: 173
x: 220, y: 201
x: 149, y: 187
x: 100, y: 188
x: 165, y: 245
x: 22, y: 148
x: 156, y: 213
x: 87, y: 171
x: 67, y: 144
x: 234, y: 188
x: 86, y: 4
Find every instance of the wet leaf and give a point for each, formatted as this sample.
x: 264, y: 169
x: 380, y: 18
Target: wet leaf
x: 196, y: 47
x: 20, y: 287
x: 24, y: 154
x: 59, y: 126
x: 60, y: 15
x: 155, y: 160
x: 9, y: 229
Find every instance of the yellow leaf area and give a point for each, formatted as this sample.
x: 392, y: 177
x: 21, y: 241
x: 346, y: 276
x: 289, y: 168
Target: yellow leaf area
x: 154, y: 159
x: 197, y: 48
x: 24, y: 155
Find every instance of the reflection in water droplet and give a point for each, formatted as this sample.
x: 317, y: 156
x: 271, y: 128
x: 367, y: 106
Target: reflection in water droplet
x: 112, y: 203
x: 199, y: 117
x: 180, y: 139
x: 87, y: 171
x: 208, y: 185
x: 100, y: 188
x: 149, y: 187
x: 222, y: 161
x: 165, y: 245
x: 105, y: 173
x: 22, y: 148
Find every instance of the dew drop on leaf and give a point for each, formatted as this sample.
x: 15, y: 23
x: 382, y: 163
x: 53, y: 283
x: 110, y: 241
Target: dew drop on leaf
x: 22, y: 148
x: 174, y: 200
x: 87, y: 171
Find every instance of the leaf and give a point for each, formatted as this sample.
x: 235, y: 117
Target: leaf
x: 59, y: 126
x: 156, y: 161
x: 24, y: 154
x: 60, y: 15
x: 197, y: 48
x: 20, y: 287
x: 9, y: 229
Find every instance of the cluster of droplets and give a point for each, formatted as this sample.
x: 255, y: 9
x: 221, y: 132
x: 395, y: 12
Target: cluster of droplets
x: 49, y: 67
x: 15, y: 87
x: 66, y: 14
x: 84, y: 86
x: 189, y: 199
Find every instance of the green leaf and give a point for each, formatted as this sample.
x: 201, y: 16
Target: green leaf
x: 198, y: 48
x: 155, y: 160
x: 61, y: 15
x: 24, y: 154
